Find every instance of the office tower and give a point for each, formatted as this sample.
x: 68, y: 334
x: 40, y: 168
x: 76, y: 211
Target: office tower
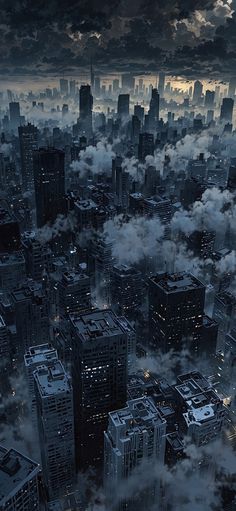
x: 161, y: 84
x: 92, y: 76
x: 197, y: 92
x: 209, y: 334
x: 139, y: 112
x: 97, y: 86
x: 120, y: 183
x: 201, y: 243
x: 232, y: 87
x: 74, y: 293
x: 31, y: 315
x: 85, y: 213
x: 226, y: 111
x: 146, y: 146
x: 15, y: 118
x: 152, y: 180
x: 127, y: 82
x: 230, y: 366
x: 197, y: 169
x: 135, y: 435
x: 217, y: 174
x: 136, y: 128
x: 19, y: 482
x: 126, y: 289
x: 49, y: 184
x: 116, y: 85
x: 160, y: 207
x: 28, y: 136
x: 99, y: 376
x: 200, y: 408
x: 123, y: 105
x: 10, y: 239
x: 231, y: 184
x: 12, y: 270
x: 209, y: 99
x: 36, y: 356
x: 154, y: 110
x: 176, y: 307
x: 86, y: 107
x: 72, y: 88
x: 64, y: 87
x: 5, y: 352
x: 217, y: 94
x: 54, y: 398
x: 102, y: 262
x: 224, y: 313
x: 38, y: 256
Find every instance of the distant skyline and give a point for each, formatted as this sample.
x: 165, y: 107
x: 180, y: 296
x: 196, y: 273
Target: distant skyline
x: 186, y: 37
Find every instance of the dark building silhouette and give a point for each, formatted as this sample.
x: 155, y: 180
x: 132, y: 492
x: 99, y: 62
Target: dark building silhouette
x: 86, y: 107
x: 28, y: 136
x: 161, y: 84
x: 145, y: 146
x: 123, y: 105
x: 99, y: 377
x: 176, y: 307
x: 10, y: 240
x: 226, y: 111
x: 15, y: 118
x: 49, y: 184
x: 197, y: 92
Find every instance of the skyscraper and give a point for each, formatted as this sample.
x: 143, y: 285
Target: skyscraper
x: 145, y: 146
x: 28, y: 136
x: 127, y: 82
x: 74, y: 293
x: 161, y: 84
x: 154, y: 110
x: 209, y: 98
x: 232, y: 87
x: 49, y: 184
x: 197, y: 92
x: 56, y: 428
x: 135, y: 435
x: 226, y: 111
x: 99, y: 375
x: 72, y: 88
x: 19, y: 482
x: 64, y: 87
x: 176, y: 308
x: 123, y: 105
x: 126, y: 289
x: 86, y: 107
x: 15, y: 118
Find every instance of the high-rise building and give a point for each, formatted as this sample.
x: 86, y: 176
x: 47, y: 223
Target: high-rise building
x: 86, y: 107
x: 232, y: 87
x: 120, y: 182
x: 28, y: 136
x: 153, y: 113
x: 31, y: 315
x: 99, y: 376
x: 97, y: 86
x: 64, y: 87
x: 197, y: 92
x: 226, y: 111
x: 36, y: 356
x: 176, y: 308
x: 224, y: 313
x: 49, y: 184
x: 123, y: 105
x: 116, y: 85
x: 56, y: 428
x: 19, y: 482
x: 209, y: 98
x: 146, y: 145
x: 127, y: 82
x: 139, y: 112
x: 200, y: 407
x: 10, y: 239
x: 72, y: 88
x: 126, y: 289
x: 135, y: 435
x: 74, y: 293
x: 38, y: 256
x: 5, y: 352
x: 15, y: 117
x: 161, y: 84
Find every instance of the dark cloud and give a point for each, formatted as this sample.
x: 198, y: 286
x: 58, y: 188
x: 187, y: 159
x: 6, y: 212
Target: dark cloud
x: 39, y: 35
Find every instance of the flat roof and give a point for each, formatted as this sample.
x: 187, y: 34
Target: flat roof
x: 101, y: 323
x: 136, y: 415
x: 52, y: 380
x: 15, y: 470
x: 37, y: 355
x: 172, y: 283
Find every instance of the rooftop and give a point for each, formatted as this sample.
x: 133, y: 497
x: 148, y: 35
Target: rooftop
x: 101, y: 323
x: 15, y: 470
x: 172, y: 283
x: 52, y: 380
x: 138, y: 414
x: 37, y: 355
